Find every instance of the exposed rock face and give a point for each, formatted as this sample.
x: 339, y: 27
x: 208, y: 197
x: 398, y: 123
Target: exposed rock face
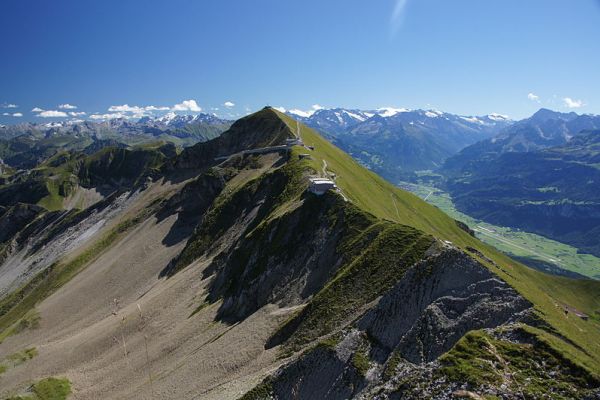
x: 324, y: 373
x: 437, y: 302
x: 15, y: 218
x: 283, y: 262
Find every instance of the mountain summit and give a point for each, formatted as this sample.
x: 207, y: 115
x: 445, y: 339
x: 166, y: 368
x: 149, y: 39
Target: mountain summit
x: 219, y: 273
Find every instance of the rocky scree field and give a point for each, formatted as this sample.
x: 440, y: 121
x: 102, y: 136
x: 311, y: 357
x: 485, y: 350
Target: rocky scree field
x: 215, y: 274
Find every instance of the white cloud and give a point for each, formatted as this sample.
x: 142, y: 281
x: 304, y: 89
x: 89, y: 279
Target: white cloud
x: 280, y: 109
x: 76, y: 114
x: 6, y: 114
x: 533, y: 97
x: 17, y: 114
x: 52, y: 114
x: 137, y: 111
x: 187, y: 105
x: 317, y: 107
x: 126, y: 108
x: 107, y: 116
x: 229, y: 104
x: 36, y: 109
x: 572, y: 103
x: 397, y: 16
x: 67, y: 106
x: 155, y: 108
x: 9, y: 105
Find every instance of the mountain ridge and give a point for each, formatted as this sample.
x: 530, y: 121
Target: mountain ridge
x: 238, y: 254
x: 550, y: 191
x: 397, y: 142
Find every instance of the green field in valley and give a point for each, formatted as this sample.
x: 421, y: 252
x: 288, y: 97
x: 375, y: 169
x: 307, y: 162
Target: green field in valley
x: 529, y: 248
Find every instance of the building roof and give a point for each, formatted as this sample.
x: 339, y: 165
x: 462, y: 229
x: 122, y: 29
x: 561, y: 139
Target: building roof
x: 321, y: 180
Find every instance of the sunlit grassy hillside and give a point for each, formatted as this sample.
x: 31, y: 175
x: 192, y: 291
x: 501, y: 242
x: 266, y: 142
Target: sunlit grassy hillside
x: 548, y: 293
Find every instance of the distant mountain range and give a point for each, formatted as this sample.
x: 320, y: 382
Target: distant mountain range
x: 541, y: 174
x: 215, y: 272
x: 397, y: 142
x: 26, y: 145
x: 543, y: 129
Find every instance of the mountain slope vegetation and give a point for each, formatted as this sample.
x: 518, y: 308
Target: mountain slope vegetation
x: 396, y: 143
x: 551, y: 192
x: 542, y: 130
x: 24, y: 146
x: 223, y: 275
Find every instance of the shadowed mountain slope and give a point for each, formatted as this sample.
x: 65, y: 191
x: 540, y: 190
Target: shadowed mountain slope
x: 227, y: 276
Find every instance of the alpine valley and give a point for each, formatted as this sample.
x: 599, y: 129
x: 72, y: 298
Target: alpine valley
x: 541, y: 175
x: 396, y: 142
x: 156, y: 260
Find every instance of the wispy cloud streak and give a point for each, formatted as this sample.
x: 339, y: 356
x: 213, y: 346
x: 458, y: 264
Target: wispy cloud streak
x: 397, y: 17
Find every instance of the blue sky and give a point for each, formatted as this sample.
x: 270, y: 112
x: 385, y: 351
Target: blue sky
x: 463, y: 56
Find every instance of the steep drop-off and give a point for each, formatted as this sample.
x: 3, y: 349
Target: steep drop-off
x: 221, y: 276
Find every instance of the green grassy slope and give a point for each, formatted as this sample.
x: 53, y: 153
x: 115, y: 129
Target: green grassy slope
x: 548, y: 293
x: 535, y: 250
x: 59, y: 177
x: 551, y: 192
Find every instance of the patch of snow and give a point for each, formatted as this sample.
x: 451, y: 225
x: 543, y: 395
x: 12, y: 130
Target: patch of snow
x: 339, y: 117
x: 498, y: 117
x: 355, y: 116
x: 473, y: 120
x: 390, y: 111
x: 432, y: 114
x: 301, y: 113
x: 53, y: 125
x: 167, y: 118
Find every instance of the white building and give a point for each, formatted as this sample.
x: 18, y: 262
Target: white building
x: 319, y: 186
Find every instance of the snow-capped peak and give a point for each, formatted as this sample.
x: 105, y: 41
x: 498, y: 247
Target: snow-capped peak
x: 301, y: 113
x: 356, y: 116
x: 473, y: 120
x: 433, y: 113
x: 53, y: 124
x: 498, y: 117
x: 168, y: 117
x: 390, y: 111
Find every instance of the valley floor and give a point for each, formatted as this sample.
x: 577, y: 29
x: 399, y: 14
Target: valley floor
x: 534, y: 250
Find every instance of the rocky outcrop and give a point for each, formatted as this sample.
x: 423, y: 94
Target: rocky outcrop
x: 15, y: 218
x: 327, y: 372
x: 283, y: 262
x: 435, y: 303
